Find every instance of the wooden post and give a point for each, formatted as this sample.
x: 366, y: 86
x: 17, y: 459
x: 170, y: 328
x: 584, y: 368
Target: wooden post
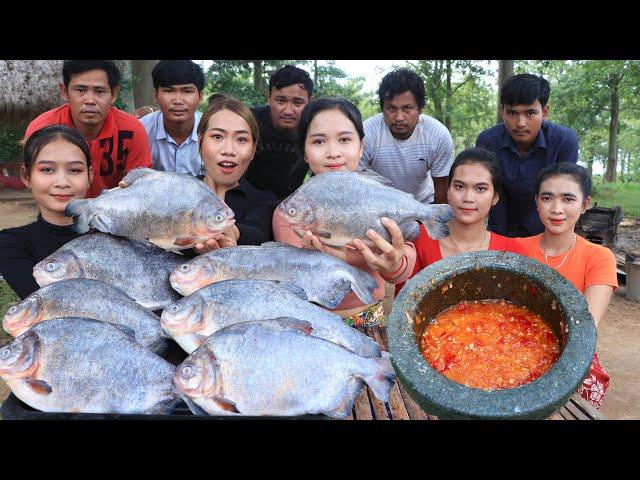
x: 505, y: 70
x: 143, y: 84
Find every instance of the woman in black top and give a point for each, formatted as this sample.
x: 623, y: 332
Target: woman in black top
x: 57, y: 168
x: 228, y: 135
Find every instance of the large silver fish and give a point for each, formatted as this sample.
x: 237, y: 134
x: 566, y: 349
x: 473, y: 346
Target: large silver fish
x: 275, y: 367
x: 81, y: 365
x: 87, y: 298
x: 324, y: 278
x: 171, y: 210
x: 139, y: 269
x: 194, y: 318
x: 338, y: 207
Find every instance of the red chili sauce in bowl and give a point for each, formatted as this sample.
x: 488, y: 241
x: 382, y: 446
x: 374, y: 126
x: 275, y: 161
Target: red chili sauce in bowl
x: 490, y: 344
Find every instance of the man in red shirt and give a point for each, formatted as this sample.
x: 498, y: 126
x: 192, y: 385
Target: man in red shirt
x: 117, y: 140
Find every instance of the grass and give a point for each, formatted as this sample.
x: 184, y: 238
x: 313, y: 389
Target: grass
x: 8, y: 298
x: 627, y: 195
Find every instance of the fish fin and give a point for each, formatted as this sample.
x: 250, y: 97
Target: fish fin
x: 293, y: 289
x: 79, y: 210
x: 184, y: 241
x: 271, y: 244
x: 373, y: 176
x: 39, y: 386
x: 101, y: 222
x: 199, y: 337
x: 343, y: 409
x: 435, y: 219
x: 226, y: 405
x: 410, y: 230
x: 368, y: 347
x: 290, y: 322
x: 363, y: 286
x: 136, y: 174
x: 381, y: 382
x: 337, y: 291
x: 126, y: 330
x: 195, y: 409
x: 321, y: 234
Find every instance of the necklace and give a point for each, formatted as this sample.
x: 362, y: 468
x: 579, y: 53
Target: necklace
x: 467, y: 251
x: 546, y: 259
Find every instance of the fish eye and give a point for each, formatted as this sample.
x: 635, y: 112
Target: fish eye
x: 51, y: 267
x: 218, y: 218
x: 13, y: 309
x: 187, y: 371
x: 174, y: 308
x: 5, y: 353
x: 292, y: 211
x: 184, y: 267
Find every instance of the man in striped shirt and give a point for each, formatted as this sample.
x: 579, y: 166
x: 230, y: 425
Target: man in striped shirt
x: 413, y: 150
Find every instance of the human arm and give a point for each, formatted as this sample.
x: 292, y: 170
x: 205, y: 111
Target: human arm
x: 598, y: 298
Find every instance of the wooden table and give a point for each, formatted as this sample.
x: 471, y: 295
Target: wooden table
x: 402, y: 407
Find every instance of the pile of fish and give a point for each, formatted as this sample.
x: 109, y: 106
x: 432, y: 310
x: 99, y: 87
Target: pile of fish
x: 254, y: 320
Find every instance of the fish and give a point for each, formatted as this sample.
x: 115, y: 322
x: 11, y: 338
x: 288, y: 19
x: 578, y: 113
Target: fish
x: 276, y: 367
x: 82, y: 297
x: 192, y: 319
x: 341, y: 206
x: 325, y: 279
x: 171, y: 210
x: 81, y: 365
x: 138, y: 268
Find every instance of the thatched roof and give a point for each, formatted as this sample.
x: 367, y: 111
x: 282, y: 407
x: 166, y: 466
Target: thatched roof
x: 29, y: 87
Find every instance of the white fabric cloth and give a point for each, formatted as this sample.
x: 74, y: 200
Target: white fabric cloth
x: 410, y: 163
x: 166, y: 154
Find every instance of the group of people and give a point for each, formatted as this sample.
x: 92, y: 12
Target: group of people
x: 519, y: 190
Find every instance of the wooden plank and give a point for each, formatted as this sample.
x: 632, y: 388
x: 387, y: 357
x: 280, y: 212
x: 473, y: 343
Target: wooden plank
x: 566, y: 414
x: 362, y: 409
x: 575, y: 411
x: 379, y: 408
x: 592, y: 412
x: 413, y: 409
x: 555, y: 416
x: 398, y: 409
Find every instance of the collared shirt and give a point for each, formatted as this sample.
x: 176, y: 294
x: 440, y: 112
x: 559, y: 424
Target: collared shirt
x: 121, y: 146
x: 166, y: 154
x: 515, y: 213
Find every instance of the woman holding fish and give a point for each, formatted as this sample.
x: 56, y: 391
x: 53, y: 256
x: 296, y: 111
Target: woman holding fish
x: 228, y: 136
x: 331, y: 134
x: 57, y: 168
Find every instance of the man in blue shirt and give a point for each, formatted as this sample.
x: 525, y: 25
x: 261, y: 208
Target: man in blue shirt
x: 173, y: 130
x: 524, y: 144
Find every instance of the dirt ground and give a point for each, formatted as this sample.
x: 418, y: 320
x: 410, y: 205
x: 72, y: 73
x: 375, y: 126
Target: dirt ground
x: 618, y: 334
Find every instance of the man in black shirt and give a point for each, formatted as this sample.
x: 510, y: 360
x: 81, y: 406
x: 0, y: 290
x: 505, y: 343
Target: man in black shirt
x: 290, y: 89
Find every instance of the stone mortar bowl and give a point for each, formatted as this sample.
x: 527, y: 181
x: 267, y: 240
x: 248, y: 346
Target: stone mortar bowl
x: 491, y: 275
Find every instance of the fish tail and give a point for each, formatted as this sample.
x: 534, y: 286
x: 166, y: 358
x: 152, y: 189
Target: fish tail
x: 369, y: 348
x: 435, y: 218
x: 381, y: 382
x: 79, y: 210
x: 343, y: 409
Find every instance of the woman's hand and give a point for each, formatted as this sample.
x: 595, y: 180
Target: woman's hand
x: 309, y: 240
x: 391, y: 254
x: 227, y: 238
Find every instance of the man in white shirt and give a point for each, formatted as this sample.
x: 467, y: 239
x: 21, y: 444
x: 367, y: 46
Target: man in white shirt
x: 413, y: 150
x: 173, y: 130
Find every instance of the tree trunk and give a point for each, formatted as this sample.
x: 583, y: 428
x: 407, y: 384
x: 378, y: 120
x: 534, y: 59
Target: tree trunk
x: 315, y: 74
x: 505, y: 70
x: 258, y: 77
x: 447, y: 98
x: 590, y: 168
x: 142, y: 82
x: 126, y: 85
x: 610, y: 174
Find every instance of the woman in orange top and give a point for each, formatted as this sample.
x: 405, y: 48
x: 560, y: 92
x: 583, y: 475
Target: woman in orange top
x: 563, y: 194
